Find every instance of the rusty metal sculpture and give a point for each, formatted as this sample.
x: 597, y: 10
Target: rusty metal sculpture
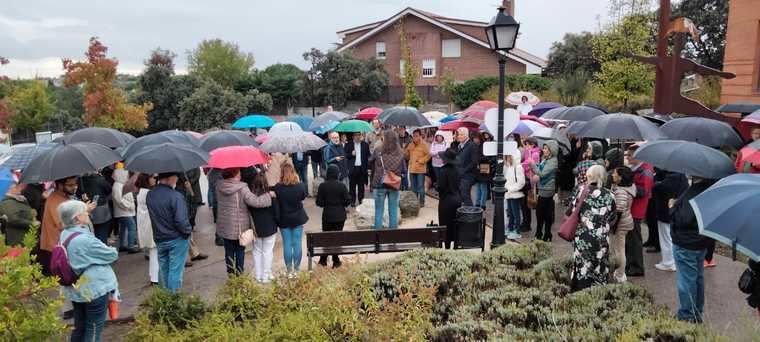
x: 670, y: 69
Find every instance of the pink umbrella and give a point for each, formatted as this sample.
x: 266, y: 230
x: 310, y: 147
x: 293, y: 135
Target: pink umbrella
x: 454, y: 125
x: 368, y: 114
x: 262, y: 138
x: 477, y: 111
x: 749, y: 121
x: 236, y: 156
x: 515, y: 98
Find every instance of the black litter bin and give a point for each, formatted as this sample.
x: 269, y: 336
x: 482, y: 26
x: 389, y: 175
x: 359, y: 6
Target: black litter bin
x: 470, y: 228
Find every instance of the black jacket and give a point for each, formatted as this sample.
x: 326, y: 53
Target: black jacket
x: 667, y: 185
x: 265, y: 219
x: 683, y: 228
x: 95, y: 185
x: 467, y: 160
x: 290, y: 198
x: 483, y: 159
x: 33, y: 194
x: 300, y: 164
x: 364, y: 154
x: 333, y: 197
x: 331, y: 153
x: 193, y: 176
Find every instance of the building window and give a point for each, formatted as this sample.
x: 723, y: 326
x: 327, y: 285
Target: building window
x: 451, y: 48
x: 380, y: 50
x: 428, y: 68
x: 401, y: 67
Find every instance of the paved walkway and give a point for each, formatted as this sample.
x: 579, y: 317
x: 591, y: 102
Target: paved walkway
x: 726, y: 309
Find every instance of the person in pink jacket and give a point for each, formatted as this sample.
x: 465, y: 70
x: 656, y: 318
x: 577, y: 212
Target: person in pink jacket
x: 530, y: 152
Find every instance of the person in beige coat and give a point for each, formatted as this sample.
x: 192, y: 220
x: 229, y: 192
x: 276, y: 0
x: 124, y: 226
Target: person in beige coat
x: 274, y: 167
x: 418, y: 154
x: 625, y: 192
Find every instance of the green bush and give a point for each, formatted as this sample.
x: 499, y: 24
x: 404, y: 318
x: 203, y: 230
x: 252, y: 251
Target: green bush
x: 485, y: 88
x: 175, y: 310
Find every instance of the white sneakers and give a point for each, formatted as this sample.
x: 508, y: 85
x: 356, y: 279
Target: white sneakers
x: 513, y: 236
x: 621, y: 279
x: 663, y: 267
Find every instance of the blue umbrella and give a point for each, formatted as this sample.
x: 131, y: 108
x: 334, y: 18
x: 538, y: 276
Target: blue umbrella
x: 543, y: 107
x: 22, y: 154
x: 6, y: 181
x: 326, y: 128
x: 686, y: 157
x: 253, y: 121
x: 729, y: 212
x: 707, y: 132
x: 301, y: 120
x: 451, y: 117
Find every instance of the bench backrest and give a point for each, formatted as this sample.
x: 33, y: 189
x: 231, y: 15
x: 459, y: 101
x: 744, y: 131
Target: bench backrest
x: 429, y: 235
x: 423, y: 235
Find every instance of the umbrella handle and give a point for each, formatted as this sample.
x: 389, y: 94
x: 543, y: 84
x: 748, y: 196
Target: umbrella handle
x: 733, y: 249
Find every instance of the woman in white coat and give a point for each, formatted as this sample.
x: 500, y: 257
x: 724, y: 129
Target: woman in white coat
x: 145, y: 182
x: 515, y: 175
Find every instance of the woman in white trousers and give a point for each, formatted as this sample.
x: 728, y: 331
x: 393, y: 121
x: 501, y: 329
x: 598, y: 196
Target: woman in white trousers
x: 265, y: 224
x: 145, y: 182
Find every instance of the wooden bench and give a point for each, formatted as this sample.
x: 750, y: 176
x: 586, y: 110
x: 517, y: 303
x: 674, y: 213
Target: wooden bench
x: 372, y: 241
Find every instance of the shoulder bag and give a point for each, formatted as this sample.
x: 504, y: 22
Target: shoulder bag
x: 532, y: 198
x: 244, y: 237
x: 390, y: 179
x: 570, y: 224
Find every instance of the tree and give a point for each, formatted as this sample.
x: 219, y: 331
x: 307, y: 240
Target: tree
x: 211, y: 105
x: 336, y: 77
x: 410, y: 73
x: 574, y: 53
x: 105, y: 105
x: 220, y: 61
x: 258, y: 102
x: 69, y: 112
x: 5, y: 115
x: 711, y: 17
x: 32, y: 107
x: 621, y: 78
x: 283, y: 82
x: 572, y: 88
x: 446, y: 85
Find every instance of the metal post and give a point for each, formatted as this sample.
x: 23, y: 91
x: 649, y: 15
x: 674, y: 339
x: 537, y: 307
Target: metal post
x: 499, y: 180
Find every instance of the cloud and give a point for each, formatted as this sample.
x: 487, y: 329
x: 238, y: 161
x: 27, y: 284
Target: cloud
x: 34, y: 29
x: 52, y: 67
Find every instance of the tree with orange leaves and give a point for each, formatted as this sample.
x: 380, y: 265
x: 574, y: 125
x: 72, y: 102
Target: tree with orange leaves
x: 105, y: 105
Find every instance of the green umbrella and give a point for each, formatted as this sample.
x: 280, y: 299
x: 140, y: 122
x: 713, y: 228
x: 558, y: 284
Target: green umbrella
x: 353, y: 126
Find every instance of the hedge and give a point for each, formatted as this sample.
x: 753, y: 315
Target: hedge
x: 469, y: 92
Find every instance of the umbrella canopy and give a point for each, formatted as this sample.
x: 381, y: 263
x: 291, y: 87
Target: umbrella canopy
x: 286, y: 129
x: 543, y: 107
x: 550, y: 113
x: 65, y: 161
x: 739, y: 107
x: 195, y: 134
x: 108, y: 137
x: 527, y: 127
x: 301, y: 120
x: 575, y: 127
x: 177, y: 137
x: 560, y: 136
x: 403, y: 116
x: 478, y: 110
x: 748, y: 122
x: 253, y: 121
x: 596, y: 106
x: 657, y: 119
x: 575, y: 113
x: 456, y: 124
x: 368, y: 114
x: 729, y: 211
x: 448, y: 118
x: 686, y: 157
x: 707, y: 132
x: 226, y: 138
x: 621, y: 126
x: 748, y: 159
x: 353, y: 126
x: 434, y: 116
x: 284, y: 144
x: 327, y: 119
x: 20, y: 155
x: 262, y: 138
x: 236, y: 156
x: 167, y: 157
x: 6, y: 181
x: 515, y: 98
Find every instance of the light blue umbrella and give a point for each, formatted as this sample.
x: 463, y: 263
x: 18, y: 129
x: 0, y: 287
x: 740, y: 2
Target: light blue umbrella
x: 301, y: 120
x: 450, y: 117
x: 326, y: 119
x: 253, y: 121
x: 6, y: 181
x: 729, y: 212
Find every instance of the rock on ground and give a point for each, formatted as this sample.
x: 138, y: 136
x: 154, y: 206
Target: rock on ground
x: 315, y: 183
x: 364, y: 215
x: 409, y: 203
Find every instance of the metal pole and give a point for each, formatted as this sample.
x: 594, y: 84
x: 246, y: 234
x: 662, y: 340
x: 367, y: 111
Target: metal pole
x: 499, y: 180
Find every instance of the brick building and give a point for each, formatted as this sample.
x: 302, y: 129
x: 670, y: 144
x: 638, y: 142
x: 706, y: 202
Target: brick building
x: 438, y: 44
x: 742, y: 56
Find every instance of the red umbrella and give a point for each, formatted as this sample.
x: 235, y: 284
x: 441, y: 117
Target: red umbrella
x: 368, y: 114
x: 748, y: 159
x: 477, y: 111
x: 454, y: 125
x: 237, y: 156
x: 748, y: 122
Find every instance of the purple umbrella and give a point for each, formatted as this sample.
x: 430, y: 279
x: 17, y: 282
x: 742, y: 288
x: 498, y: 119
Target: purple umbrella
x: 542, y: 107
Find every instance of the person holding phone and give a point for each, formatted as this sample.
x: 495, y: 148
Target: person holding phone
x: 95, y: 186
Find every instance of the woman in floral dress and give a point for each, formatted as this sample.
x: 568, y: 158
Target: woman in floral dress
x: 591, y: 257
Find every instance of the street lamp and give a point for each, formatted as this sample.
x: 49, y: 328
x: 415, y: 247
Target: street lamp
x: 501, y: 33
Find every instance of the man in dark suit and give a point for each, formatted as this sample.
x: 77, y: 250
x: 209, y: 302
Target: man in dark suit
x: 467, y: 160
x: 358, y: 165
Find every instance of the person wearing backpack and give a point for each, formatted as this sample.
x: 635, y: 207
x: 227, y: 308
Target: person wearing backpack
x: 88, y: 259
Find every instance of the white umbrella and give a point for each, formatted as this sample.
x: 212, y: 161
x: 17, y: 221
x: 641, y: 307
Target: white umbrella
x: 434, y: 116
x: 302, y: 143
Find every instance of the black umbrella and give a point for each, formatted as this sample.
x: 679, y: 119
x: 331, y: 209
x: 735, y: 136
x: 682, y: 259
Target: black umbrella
x: 739, y: 107
x: 403, y: 116
x: 686, y: 157
x: 65, y: 161
x: 575, y: 127
x: 575, y: 113
x: 621, y: 126
x: 167, y: 157
x: 226, y: 138
x: 177, y: 137
x: 596, y: 106
x: 108, y: 137
x: 704, y: 131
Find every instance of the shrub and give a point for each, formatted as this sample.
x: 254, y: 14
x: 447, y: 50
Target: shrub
x: 175, y: 310
x: 486, y: 88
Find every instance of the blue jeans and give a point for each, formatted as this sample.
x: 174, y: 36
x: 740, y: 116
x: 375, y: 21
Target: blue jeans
x: 171, y: 263
x: 418, y: 186
x: 393, y: 195
x: 314, y: 168
x: 291, y: 247
x: 481, y: 194
x: 514, y: 207
x: 89, y: 319
x: 234, y: 257
x: 690, y: 283
x: 127, y: 232
x: 302, y: 174
x: 465, y: 187
x: 404, y: 181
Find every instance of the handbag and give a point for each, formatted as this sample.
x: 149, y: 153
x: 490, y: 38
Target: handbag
x: 390, y: 179
x: 244, y: 237
x: 568, y: 227
x: 485, y: 168
x: 532, y: 199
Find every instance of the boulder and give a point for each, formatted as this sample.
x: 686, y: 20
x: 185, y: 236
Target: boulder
x: 409, y: 204
x: 314, y: 184
x: 364, y: 215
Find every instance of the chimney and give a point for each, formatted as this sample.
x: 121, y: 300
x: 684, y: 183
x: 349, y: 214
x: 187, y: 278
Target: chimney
x: 509, y: 6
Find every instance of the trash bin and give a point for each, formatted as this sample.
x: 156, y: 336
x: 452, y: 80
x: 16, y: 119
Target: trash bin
x: 469, y: 228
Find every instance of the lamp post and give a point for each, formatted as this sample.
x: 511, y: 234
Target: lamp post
x: 501, y: 33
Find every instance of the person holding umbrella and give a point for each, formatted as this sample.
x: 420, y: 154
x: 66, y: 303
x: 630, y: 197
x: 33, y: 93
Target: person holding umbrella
x: 333, y: 198
x: 96, y: 185
x: 544, y: 175
x: 417, y: 154
x: 449, y: 194
x: 65, y: 189
x: 467, y: 164
x: 15, y: 213
x: 335, y: 154
x: 124, y: 211
x: 670, y: 186
x: 388, y: 159
x: 358, y: 161
x: 145, y: 182
x: 524, y: 108
x: 643, y: 178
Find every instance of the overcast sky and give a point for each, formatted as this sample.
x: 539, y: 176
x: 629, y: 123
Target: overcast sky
x: 36, y: 34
